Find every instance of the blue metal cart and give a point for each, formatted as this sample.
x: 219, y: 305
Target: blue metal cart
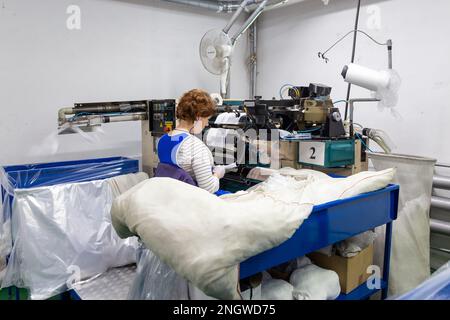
x: 328, y: 223
x: 333, y: 222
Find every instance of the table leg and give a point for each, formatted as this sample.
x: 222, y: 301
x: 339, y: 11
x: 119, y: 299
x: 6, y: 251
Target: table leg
x: 387, y: 259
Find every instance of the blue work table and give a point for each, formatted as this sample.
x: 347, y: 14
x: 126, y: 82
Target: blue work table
x: 333, y: 222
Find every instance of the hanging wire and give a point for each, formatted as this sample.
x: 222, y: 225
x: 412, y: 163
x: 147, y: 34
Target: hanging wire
x: 322, y: 55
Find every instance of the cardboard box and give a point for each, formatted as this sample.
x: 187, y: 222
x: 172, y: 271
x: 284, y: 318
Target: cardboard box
x: 352, y: 272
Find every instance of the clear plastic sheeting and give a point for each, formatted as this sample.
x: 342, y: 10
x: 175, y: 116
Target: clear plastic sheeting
x: 155, y: 280
x: 435, y: 288
x: 63, y: 234
x: 388, y: 96
x: 410, y: 255
x: 49, y: 174
x: 6, y: 190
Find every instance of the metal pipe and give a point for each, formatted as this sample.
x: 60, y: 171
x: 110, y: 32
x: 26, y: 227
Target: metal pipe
x: 441, y: 227
x: 355, y: 35
x: 389, y: 45
x: 236, y: 15
x: 130, y: 117
x: 351, y: 104
x: 441, y: 182
x: 253, y: 59
x: 206, y: 4
x: 249, y: 21
x: 62, y: 113
x: 440, y: 203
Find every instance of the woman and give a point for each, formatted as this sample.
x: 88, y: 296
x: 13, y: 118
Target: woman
x: 182, y: 155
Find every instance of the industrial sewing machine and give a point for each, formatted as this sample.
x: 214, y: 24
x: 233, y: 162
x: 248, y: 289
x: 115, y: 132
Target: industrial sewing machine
x: 305, y: 131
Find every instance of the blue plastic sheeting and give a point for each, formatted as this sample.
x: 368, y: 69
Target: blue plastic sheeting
x: 48, y: 174
x: 435, y: 288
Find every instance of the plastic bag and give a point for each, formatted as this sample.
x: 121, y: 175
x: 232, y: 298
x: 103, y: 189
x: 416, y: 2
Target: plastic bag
x: 6, y: 197
x: 49, y: 174
x: 63, y: 234
x: 352, y: 246
x: 410, y: 254
x: 155, y: 280
x: 435, y: 288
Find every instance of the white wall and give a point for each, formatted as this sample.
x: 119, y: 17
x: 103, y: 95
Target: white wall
x: 291, y: 37
x: 130, y: 49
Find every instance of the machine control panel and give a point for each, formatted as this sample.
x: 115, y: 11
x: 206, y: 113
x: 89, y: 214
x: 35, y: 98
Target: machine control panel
x: 161, y: 116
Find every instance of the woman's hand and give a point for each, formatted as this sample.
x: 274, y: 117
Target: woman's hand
x: 219, y: 171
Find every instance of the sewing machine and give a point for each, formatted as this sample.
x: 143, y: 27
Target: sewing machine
x: 305, y: 131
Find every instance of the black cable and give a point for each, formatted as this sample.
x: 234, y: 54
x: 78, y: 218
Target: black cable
x: 355, y: 35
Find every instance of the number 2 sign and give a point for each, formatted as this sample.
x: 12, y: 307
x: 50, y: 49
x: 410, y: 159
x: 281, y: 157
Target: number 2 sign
x: 312, y: 152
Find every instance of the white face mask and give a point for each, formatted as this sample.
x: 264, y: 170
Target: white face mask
x: 198, y: 127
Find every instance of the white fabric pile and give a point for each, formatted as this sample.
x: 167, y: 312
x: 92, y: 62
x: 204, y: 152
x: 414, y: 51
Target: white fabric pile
x: 307, y: 282
x: 63, y: 234
x: 311, y: 282
x: 204, y: 238
x: 276, y: 289
x: 354, y: 245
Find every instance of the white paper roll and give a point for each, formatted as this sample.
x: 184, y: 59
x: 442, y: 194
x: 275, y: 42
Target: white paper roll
x: 367, y: 78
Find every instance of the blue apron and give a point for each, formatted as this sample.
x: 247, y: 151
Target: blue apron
x: 167, y: 152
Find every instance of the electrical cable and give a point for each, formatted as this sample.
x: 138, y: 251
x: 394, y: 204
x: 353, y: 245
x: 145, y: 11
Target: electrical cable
x: 310, y: 130
x: 322, y: 55
x: 339, y: 101
x: 362, y: 141
x: 282, y: 87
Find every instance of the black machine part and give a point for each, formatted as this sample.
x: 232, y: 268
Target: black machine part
x: 319, y: 90
x: 109, y: 107
x: 334, y: 127
x: 161, y: 116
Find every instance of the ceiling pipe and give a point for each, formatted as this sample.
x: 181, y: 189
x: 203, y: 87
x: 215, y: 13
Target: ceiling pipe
x: 231, y: 6
x: 249, y: 21
x: 208, y: 4
x: 236, y: 15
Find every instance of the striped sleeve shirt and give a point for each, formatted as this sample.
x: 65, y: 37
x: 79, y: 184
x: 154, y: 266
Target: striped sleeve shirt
x: 195, y: 158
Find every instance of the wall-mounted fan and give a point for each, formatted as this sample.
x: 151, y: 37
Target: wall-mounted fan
x: 216, y: 46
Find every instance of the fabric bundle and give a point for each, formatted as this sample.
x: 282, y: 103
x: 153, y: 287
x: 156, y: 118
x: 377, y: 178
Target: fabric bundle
x: 311, y: 282
x: 204, y: 238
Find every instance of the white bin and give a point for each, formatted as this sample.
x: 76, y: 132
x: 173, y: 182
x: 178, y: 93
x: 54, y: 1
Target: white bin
x: 410, y: 256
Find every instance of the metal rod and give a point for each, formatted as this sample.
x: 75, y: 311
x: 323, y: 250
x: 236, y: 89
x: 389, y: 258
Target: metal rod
x: 355, y: 36
x: 210, y: 5
x: 236, y: 15
x: 441, y: 227
x: 441, y: 182
x: 351, y: 103
x: 253, y: 60
x: 249, y: 21
x: 440, y: 203
x: 387, y: 259
x: 389, y: 44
